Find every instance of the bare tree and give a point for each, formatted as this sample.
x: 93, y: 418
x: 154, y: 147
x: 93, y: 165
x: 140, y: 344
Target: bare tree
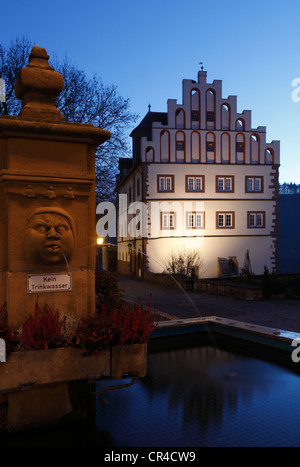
x: 12, y: 60
x: 83, y: 100
x: 185, y: 262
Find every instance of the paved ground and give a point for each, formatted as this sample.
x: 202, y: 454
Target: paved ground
x: 281, y: 314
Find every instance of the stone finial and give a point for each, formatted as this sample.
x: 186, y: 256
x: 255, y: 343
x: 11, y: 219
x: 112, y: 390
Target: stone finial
x: 38, y: 86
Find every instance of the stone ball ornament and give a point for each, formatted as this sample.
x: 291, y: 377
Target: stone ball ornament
x: 50, y: 236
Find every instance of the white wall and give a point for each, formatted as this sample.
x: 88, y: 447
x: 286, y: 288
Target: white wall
x: 210, y: 249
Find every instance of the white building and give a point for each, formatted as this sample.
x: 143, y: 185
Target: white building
x: 209, y: 182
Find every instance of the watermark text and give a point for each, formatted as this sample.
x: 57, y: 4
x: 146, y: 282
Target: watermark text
x: 2, y: 351
x: 296, y: 352
x: 2, y: 90
x: 150, y: 220
x: 296, y: 91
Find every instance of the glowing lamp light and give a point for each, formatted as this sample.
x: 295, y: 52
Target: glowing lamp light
x: 99, y: 241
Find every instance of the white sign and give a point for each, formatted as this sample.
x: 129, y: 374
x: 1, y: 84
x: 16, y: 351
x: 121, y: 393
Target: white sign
x: 37, y: 283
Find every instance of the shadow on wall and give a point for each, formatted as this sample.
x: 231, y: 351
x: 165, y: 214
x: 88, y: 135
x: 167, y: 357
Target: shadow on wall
x: 289, y: 234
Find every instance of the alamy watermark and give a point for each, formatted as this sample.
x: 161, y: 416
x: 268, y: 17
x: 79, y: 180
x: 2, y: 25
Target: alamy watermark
x: 2, y: 351
x: 296, y: 91
x: 149, y: 220
x: 2, y: 90
x: 296, y: 352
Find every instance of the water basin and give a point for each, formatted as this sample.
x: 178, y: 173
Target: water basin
x: 197, y: 395
x: 207, y: 385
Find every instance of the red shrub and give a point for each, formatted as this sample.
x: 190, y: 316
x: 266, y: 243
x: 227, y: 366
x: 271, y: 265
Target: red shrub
x: 114, y: 325
x: 94, y: 334
x: 9, y: 336
x: 43, y: 330
x: 135, y: 323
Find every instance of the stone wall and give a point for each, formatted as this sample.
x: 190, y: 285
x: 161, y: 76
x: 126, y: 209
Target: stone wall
x: 240, y: 291
x: 213, y: 287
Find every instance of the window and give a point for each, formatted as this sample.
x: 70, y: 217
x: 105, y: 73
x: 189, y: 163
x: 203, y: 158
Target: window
x: 225, y: 220
x: 210, y: 116
x: 165, y: 183
x: 240, y: 125
x: 180, y: 145
x: 256, y: 220
x: 269, y: 156
x: 149, y: 154
x: 167, y: 220
x: 194, y: 183
x: 195, y: 116
x: 239, y: 147
x: 210, y: 146
x: 254, y: 184
x: 224, y: 184
x: 195, y: 220
x: 180, y: 118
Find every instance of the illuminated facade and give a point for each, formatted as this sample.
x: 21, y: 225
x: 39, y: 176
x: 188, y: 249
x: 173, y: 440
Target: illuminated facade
x: 209, y: 182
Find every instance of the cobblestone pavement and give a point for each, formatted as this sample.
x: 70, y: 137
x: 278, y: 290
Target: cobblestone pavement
x: 281, y: 314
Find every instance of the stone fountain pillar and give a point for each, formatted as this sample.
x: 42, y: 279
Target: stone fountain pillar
x: 47, y: 201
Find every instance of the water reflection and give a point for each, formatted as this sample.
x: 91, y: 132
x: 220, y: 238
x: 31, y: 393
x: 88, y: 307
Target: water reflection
x: 204, y: 397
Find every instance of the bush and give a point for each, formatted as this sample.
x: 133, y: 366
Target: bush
x: 185, y: 262
x: 110, y: 325
x: 269, y: 283
x: 9, y: 336
x: 43, y: 330
x: 135, y: 324
x: 114, y: 325
x: 107, y: 288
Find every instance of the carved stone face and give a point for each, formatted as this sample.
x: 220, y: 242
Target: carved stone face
x: 49, y: 238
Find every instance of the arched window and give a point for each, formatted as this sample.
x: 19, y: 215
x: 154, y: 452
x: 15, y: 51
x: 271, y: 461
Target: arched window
x: 240, y: 148
x: 180, y: 146
x: 195, y: 108
x: 210, y: 109
x: 269, y: 156
x: 254, y: 149
x: 195, y: 147
x: 240, y: 125
x: 210, y: 147
x: 149, y: 154
x: 225, y: 148
x: 225, y: 117
x: 180, y: 118
x: 165, y: 146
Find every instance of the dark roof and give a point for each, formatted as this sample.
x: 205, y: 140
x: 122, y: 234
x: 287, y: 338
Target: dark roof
x: 145, y: 126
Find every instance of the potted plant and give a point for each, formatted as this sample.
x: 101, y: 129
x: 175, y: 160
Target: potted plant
x: 48, y: 350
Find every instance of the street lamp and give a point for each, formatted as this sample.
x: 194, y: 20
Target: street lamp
x: 99, y: 256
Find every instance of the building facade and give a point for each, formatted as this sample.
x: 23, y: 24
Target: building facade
x: 202, y: 180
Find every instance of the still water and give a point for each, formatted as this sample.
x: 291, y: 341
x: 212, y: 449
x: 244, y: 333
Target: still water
x: 190, y: 397
x: 204, y: 397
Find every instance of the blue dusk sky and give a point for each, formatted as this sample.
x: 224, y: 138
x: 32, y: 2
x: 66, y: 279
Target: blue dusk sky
x: 147, y: 48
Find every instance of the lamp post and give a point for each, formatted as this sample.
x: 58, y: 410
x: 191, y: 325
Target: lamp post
x: 99, y: 256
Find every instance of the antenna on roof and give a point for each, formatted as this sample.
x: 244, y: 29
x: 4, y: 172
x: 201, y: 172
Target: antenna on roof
x: 149, y: 107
